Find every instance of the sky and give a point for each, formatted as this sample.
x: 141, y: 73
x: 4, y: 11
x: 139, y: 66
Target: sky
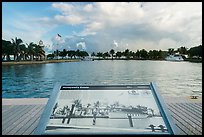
x: 102, y: 26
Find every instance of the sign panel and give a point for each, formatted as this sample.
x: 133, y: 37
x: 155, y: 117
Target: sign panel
x: 119, y: 109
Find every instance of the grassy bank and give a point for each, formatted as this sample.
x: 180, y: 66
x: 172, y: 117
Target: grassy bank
x: 38, y: 62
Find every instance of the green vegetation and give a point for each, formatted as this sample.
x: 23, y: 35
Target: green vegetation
x: 33, y: 51
x: 127, y: 54
x: 20, y: 51
x: 69, y: 53
x: 195, y: 51
x: 194, y: 54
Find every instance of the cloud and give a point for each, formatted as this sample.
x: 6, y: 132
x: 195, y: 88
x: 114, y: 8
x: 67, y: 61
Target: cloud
x: 69, y: 19
x: 28, y: 29
x: 88, y: 7
x: 115, y: 43
x: 148, y: 25
x: 63, y: 7
x: 101, y: 26
x: 167, y: 42
x: 81, y: 46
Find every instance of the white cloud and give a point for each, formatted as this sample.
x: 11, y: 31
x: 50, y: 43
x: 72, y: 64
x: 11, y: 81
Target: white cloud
x: 81, y: 46
x: 118, y: 25
x: 69, y: 19
x: 115, y: 43
x: 27, y: 28
x: 167, y: 42
x: 88, y: 7
x: 63, y: 7
x: 91, y: 28
x: 152, y: 25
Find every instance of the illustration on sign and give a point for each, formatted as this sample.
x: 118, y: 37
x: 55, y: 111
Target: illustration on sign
x: 106, y: 111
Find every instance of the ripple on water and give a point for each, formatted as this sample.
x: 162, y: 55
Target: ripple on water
x: 39, y: 80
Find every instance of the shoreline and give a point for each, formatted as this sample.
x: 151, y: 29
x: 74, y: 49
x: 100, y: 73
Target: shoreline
x: 39, y: 62
x: 78, y: 60
x: 186, y: 60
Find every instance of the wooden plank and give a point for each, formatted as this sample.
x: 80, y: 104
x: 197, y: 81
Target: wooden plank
x: 9, y: 113
x: 181, y: 131
x: 34, y: 121
x: 15, y: 111
x: 180, y: 123
x: 191, y: 111
x: 6, y: 108
x: 21, y: 121
x: 199, y: 104
x: 27, y: 123
x: 196, y: 107
x: 16, y: 119
x: 15, y: 114
x: 182, y: 115
x: 185, y: 120
x: 32, y: 128
x: 25, y: 119
x: 190, y: 115
x: 188, y: 118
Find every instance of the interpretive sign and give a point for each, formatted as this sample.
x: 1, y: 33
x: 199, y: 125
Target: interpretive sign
x: 112, y: 109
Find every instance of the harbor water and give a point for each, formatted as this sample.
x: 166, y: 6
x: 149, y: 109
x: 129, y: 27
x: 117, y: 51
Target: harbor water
x: 37, y: 80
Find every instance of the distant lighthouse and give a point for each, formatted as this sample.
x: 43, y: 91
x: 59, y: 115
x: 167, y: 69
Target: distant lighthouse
x: 42, y: 46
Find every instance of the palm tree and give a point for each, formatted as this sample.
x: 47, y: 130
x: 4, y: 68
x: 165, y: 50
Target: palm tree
x: 93, y: 54
x: 112, y: 52
x: 106, y: 54
x: 64, y: 53
x: 137, y: 54
x: 39, y: 52
x: 127, y: 53
x: 99, y: 54
x: 23, y: 52
x: 17, y: 44
x: 83, y: 54
x: 78, y: 53
x: 182, y: 50
x: 7, y: 49
x: 171, y: 51
x: 31, y: 51
x: 71, y: 53
x: 143, y: 54
x: 118, y: 54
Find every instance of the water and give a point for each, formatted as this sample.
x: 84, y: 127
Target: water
x: 38, y: 80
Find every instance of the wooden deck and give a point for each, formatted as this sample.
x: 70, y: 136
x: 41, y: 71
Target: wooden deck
x: 21, y: 116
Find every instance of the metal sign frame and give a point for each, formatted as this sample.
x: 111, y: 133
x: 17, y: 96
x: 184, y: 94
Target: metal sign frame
x: 45, y: 117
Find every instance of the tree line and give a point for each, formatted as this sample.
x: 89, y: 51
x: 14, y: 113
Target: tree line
x: 70, y: 53
x: 33, y: 51
x: 128, y: 54
x: 21, y: 51
x: 152, y: 54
